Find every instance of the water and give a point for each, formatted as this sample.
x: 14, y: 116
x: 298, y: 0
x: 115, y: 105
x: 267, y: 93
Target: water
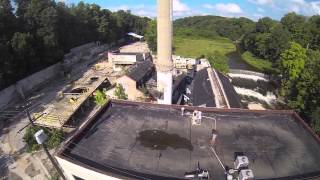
x: 246, y: 76
x: 269, y: 98
x: 263, y: 87
x: 258, y: 89
x: 236, y: 62
x: 160, y: 140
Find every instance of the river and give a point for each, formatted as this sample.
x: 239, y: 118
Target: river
x: 251, y: 89
x: 236, y: 62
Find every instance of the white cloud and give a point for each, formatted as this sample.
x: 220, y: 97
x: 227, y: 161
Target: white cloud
x: 257, y: 16
x: 262, y: 2
x: 305, y: 7
x: 178, y: 6
x: 140, y: 10
x: 180, y: 9
x: 228, y: 9
x: 315, y: 7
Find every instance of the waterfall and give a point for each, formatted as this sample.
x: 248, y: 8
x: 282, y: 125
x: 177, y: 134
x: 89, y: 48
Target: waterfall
x: 269, y: 98
x: 246, y: 76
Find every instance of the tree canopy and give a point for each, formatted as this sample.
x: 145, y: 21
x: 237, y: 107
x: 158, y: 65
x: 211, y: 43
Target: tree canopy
x: 291, y: 45
x: 39, y: 32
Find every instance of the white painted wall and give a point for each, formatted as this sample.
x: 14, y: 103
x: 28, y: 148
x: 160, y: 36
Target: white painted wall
x: 164, y: 84
x: 71, y: 169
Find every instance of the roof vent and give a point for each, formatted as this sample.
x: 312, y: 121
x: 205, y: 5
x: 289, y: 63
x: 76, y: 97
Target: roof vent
x: 241, y: 162
x: 182, y: 111
x: 246, y: 174
x: 196, y: 118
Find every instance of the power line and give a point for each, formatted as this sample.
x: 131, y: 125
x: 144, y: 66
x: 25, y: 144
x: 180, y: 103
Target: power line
x: 45, y: 148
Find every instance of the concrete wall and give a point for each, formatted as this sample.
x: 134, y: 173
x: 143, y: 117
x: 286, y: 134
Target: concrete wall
x: 130, y: 87
x: 83, y: 47
x: 39, y: 78
x: 122, y: 58
x: 24, y: 87
x: 7, y: 95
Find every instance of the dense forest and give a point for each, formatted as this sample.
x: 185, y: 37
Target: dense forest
x: 37, y: 33
x: 232, y: 28
x: 291, y: 46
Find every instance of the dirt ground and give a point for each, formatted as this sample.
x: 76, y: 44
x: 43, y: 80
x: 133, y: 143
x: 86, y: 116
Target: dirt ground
x: 141, y: 47
x: 15, y: 162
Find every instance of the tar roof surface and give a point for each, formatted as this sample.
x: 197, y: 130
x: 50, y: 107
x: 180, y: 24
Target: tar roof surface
x: 276, y: 144
x: 140, y: 69
x: 231, y: 93
x: 202, y: 90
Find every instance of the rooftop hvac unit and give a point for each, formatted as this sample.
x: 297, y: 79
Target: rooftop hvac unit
x: 241, y: 162
x: 196, y: 118
x: 246, y: 174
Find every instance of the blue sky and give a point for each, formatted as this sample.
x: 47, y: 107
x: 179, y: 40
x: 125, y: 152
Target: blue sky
x: 253, y: 9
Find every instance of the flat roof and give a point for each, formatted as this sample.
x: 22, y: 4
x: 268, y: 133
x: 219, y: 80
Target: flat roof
x: 150, y: 141
x: 139, y: 70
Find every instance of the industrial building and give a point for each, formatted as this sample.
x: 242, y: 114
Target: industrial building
x: 135, y: 79
x: 135, y: 140
x: 120, y: 60
x: 131, y: 140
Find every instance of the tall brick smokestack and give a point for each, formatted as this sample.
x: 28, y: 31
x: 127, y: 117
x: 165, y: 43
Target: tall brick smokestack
x: 164, y: 61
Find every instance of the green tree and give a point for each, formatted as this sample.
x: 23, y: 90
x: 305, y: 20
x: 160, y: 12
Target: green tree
x: 100, y: 98
x: 278, y: 42
x: 298, y: 28
x: 7, y: 20
x: 292, y: 62
x: 218, y: 61
x: 265, y: 25
x: 55, y: 137
x: 37, y: 33
x: 307, y: 88
x: 314, y: 24
x: 315, y: 117
x: 120, y: 92
x: 151, y: 35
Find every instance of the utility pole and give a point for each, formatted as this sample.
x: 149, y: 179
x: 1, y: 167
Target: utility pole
x: 45, y: 148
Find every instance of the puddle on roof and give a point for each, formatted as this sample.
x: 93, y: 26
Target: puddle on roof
x: 160, y: 140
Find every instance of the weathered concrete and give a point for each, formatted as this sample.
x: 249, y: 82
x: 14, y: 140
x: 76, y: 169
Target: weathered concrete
x: 26, y: 86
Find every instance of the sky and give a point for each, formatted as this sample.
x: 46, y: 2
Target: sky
x: 253, y: 9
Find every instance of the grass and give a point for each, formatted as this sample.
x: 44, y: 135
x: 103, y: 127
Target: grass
x: 196, y: 47
x: 261, y: 65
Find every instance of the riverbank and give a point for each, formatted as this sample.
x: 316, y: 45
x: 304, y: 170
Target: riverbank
x: 259, y: 64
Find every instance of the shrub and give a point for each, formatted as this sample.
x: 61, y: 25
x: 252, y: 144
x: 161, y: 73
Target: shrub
x: 100, y: 98
x: 120, y: 92
x: 55, y: 137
